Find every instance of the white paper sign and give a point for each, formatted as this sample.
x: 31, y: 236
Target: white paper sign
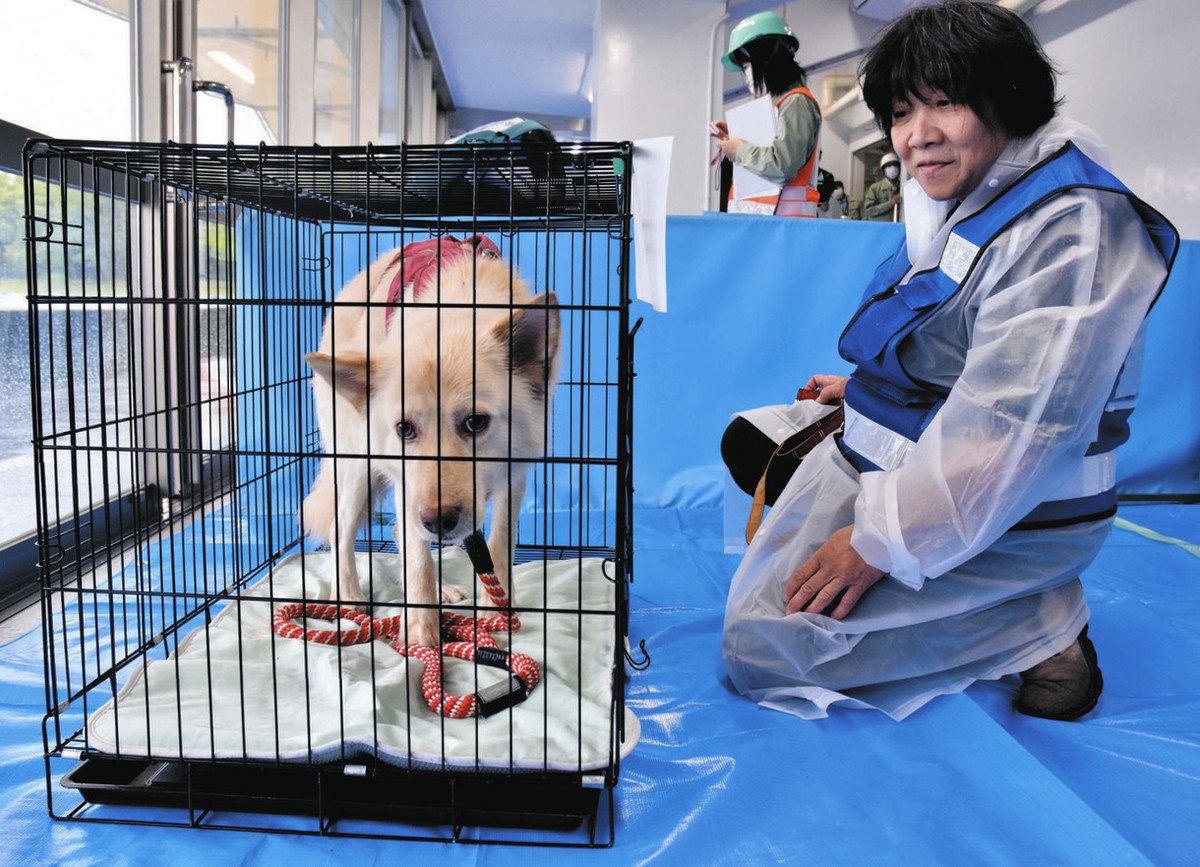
x: 651, y: 172
x: 754, y: 122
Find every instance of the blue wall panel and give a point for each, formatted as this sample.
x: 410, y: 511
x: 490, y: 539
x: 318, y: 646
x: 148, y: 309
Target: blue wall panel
x: 756, y: 307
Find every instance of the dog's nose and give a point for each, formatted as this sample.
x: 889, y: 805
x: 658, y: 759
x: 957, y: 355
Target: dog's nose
x: 441, y: 521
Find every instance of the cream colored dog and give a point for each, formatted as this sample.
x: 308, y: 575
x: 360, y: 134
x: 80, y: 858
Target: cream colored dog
x: 454, y: 394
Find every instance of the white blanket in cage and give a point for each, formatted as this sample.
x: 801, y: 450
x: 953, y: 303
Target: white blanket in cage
x: 237, y: 690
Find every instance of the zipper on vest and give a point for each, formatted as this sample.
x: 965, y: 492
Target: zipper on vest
x: 878, y: 296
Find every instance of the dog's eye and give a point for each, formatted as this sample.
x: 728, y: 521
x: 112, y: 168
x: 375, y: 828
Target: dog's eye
x: 488, y: 254
x: 406, y: 429
x: 473, y: 425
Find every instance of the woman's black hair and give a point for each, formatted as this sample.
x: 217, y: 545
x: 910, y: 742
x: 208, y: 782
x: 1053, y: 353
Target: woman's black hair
x: 978, y: 55
x: 773, y: 64
x: 543, y: 153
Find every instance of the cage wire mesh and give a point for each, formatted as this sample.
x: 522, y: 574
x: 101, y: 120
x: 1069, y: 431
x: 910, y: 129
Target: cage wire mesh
x: 174, y: 293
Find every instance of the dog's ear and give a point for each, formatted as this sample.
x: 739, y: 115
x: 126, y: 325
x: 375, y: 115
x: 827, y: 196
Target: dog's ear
x: 531, y: 338
x: 347, y: 373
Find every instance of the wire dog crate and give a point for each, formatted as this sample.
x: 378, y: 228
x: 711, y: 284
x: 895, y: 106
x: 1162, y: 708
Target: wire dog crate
x: 174, y: 294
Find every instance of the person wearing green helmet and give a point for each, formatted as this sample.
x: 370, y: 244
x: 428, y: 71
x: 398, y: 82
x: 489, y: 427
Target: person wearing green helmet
x: 764, y: 47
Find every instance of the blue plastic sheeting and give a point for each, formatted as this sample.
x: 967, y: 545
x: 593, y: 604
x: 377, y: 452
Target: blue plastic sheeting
x: 715, y: 779
x: 756, y: 307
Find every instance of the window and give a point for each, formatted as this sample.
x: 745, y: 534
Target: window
x: 390, y: 95
x: 335, y: 82
x: 421, y: 98
x: 237, y: 44
x: 16, y: 461
x: 67, y: 66
x: 83, y: 348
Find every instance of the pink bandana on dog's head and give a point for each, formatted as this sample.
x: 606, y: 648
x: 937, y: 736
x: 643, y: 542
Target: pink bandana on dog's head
x: 421, y: 259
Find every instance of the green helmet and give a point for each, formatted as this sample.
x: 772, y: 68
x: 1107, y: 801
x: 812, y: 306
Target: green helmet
x: 754, y: 27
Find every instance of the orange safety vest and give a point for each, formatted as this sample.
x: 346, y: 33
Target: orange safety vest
x: 797, y: 197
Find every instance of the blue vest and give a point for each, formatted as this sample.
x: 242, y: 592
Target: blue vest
x: 883, y: 391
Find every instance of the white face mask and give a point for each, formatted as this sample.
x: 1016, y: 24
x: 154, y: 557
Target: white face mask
x: 891, y: 172
x: 749, y: 79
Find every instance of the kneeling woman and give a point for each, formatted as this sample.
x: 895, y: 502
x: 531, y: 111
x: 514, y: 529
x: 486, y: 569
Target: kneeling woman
x: 939, y: 539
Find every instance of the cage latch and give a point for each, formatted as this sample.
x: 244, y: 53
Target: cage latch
x: 638, y: 664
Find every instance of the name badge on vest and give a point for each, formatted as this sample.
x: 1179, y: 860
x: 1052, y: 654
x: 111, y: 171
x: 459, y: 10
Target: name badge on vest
x: 957, y: 257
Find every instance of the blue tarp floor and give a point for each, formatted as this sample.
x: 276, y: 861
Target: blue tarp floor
x: 715, y: 779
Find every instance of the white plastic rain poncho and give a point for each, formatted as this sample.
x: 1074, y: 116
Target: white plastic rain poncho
x: 1030, y: 348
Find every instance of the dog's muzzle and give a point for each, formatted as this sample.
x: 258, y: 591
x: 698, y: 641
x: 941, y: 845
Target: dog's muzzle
x: 444, y: 524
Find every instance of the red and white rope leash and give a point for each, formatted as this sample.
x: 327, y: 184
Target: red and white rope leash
x: 474, y: 634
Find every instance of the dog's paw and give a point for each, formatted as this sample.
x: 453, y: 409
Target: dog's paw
x: 452, y: 594
x: 352, y: 596
x: 423, y: 628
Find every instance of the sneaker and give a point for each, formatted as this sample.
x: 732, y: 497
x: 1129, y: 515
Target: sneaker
x: 1063, y: 687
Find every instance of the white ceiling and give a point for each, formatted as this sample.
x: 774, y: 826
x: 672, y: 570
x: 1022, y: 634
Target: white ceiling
x: 514, y: 55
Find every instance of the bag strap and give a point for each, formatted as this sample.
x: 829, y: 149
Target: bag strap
x: 800, y: 443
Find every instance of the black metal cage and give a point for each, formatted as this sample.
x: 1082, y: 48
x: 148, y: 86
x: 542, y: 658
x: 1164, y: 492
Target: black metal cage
x: 174, y: 292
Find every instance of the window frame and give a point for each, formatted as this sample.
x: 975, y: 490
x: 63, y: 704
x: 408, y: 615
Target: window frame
x: 151, y: 43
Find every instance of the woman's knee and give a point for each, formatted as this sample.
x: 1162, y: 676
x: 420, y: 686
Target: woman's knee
x: 747, y: 453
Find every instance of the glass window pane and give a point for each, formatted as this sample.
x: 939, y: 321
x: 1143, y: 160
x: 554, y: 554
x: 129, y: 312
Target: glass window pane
x: 214, y: 324
x: 81, y: 54
x: 83, y: 350
x: 335, y: 82
x: 16, y: 457
x: 237, y: 44
x: 420, y: 91
x: 389, y: 75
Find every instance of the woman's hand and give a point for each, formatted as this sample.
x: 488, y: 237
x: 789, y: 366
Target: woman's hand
x: 729, y: 147
x: 722, y: 129
x: 835, y: 568
x: 832, y: 388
